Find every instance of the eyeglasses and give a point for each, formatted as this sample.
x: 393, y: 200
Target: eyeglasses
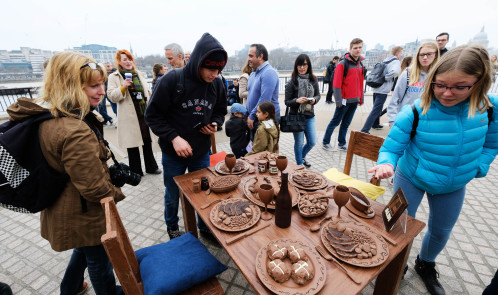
x: 303, y: 65
x: 92, y: 65
x: 430, y: 54
x: 454, y: 89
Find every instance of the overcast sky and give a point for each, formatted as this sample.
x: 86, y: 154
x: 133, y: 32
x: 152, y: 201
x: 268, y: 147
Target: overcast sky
x: 148, y: 25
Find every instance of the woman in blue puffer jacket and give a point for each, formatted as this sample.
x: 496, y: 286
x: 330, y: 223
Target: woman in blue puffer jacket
x: 456, y: 140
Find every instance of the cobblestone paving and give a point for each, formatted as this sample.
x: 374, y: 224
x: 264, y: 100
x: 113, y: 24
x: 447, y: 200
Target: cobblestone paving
x: 466, y: 265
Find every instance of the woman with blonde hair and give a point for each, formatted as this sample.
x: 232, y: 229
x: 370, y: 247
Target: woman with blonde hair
x: 455, y: 140
x: 72, y: 144
x: 411, y: 81
x: 131, y: 95
x: 246, y: 71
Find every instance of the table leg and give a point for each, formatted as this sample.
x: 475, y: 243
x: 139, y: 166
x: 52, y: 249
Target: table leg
x: 389, y: 279
x: 188, y: 215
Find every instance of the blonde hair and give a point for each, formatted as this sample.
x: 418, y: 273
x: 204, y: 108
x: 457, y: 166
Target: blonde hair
x: 246, y: 69
x: 64, y: 80
x: 416, y: 68
x: 469, y: 59
x: 396, y: 49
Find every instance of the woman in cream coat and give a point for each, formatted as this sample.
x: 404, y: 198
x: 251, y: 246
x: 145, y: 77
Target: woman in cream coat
x: 131, y: 95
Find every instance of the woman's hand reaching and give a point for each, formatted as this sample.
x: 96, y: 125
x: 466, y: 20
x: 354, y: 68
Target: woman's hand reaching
x: 382, y: 171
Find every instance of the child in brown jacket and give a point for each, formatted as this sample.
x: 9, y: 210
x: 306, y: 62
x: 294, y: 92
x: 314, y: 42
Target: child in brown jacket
x: 268, y: 133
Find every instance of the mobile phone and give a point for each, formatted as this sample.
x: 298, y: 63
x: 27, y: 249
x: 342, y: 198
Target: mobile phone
x: 199, y: 126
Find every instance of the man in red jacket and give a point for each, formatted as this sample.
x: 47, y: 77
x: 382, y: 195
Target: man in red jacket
x: 348, y: 93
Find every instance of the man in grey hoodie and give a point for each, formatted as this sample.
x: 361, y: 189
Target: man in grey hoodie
x: 392, y: 69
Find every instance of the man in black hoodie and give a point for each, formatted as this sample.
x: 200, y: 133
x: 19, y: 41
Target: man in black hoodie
x: 183, y: 112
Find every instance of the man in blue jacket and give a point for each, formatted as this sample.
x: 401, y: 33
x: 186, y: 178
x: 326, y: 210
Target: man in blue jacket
x: 261, y: 86
x: 183, y: 113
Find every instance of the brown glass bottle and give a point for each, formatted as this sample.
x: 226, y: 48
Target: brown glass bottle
x: 283, y: 204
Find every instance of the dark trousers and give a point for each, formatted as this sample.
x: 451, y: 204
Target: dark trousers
x: 328, y: 98
x: 5, y: 289
x: 134, y: 159
x: 344, y: 116
x: 99, y: 270
x: 493, y: 287
x: 373, y: 118
x: 239, y: 152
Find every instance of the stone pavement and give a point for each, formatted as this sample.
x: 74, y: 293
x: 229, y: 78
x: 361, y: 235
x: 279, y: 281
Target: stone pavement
x: 466, y: 265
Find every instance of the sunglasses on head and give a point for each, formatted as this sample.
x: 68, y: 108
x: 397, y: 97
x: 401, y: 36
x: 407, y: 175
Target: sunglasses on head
x: 92, y: 65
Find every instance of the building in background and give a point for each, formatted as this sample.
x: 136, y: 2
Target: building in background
x: 100, y: 53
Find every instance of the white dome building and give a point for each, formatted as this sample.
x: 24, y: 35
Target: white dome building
x: 480, y: 38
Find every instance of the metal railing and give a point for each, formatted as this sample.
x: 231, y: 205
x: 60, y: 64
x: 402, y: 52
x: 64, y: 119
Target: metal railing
x: 9, y: 95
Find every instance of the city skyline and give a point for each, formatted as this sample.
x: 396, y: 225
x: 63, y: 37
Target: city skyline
x: 277, y: 24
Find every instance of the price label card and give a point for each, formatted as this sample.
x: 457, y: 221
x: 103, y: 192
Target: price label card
x: 394, y: 209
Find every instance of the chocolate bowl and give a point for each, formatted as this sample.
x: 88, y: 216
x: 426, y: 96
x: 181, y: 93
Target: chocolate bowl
x: 360, y: 201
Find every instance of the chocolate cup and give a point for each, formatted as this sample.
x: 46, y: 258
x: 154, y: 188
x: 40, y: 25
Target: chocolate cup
x: 357, y: 204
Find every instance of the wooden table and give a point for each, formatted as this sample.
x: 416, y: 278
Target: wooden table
x: 244, y: 252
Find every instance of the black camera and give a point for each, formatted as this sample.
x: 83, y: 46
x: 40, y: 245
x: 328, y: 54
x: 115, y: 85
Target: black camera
x: 121, y: 174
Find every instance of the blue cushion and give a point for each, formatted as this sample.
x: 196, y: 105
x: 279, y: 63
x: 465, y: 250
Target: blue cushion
x: 177, y: 265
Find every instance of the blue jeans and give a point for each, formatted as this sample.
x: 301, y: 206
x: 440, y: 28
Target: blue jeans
x: 344, y: 116
x: 444, y: 210
x: 114, y: 108
x: 99, y: 270
x: 379, y: 100
x: 102, y: 108
x: 174, y: 166
x: 301, y: 149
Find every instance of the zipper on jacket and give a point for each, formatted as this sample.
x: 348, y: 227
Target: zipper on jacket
x: 460, y: 144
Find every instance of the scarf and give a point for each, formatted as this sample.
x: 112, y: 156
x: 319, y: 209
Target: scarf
x: 136, y: 90
x: 305, y: 89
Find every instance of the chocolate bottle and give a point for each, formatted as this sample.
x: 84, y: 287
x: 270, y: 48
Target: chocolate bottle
x: 283, y: 204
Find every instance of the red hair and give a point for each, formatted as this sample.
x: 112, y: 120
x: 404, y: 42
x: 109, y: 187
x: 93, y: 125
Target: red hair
x: 125, y: 52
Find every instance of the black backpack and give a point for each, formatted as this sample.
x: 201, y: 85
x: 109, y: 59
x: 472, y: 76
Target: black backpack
x: 376, y: 78
x: 329, y: 75
x: 27, y: 183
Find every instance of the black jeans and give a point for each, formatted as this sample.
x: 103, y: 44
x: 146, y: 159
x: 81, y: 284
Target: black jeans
x: 329, y: 93
x: 134, y: 159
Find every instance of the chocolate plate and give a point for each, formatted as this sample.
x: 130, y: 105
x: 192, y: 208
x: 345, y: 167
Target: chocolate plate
x: 213, y: 216
x: 321, y: 184
x: 382, y: 247
x: 290, y: 287
x: 359, y: 213
x: 221, y: 168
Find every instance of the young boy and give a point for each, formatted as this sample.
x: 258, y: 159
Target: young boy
x: 236, y: 128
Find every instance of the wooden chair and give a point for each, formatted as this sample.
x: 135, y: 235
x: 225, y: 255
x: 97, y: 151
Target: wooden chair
x: 120, y: 252
x: 364, y: 145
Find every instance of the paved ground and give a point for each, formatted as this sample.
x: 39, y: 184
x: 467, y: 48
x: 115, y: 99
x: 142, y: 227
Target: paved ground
x: 466, y: 265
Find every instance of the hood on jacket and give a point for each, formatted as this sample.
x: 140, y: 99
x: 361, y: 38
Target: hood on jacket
x: 350, y: 58
x: 273, y: 132
x: 23, y: 108
x: 205, y: 46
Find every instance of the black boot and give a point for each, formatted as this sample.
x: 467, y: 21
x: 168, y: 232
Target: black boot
x: 174, y: 232
x: 429, y: 275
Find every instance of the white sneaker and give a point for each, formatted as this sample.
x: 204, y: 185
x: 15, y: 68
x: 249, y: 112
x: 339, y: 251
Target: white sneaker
x: 343, y: 148
x: 328, y: 147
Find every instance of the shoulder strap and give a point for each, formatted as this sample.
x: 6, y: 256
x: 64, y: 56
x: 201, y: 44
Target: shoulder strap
x: 180, y: 82
x: 490, y: 114
x: 415, y: 122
